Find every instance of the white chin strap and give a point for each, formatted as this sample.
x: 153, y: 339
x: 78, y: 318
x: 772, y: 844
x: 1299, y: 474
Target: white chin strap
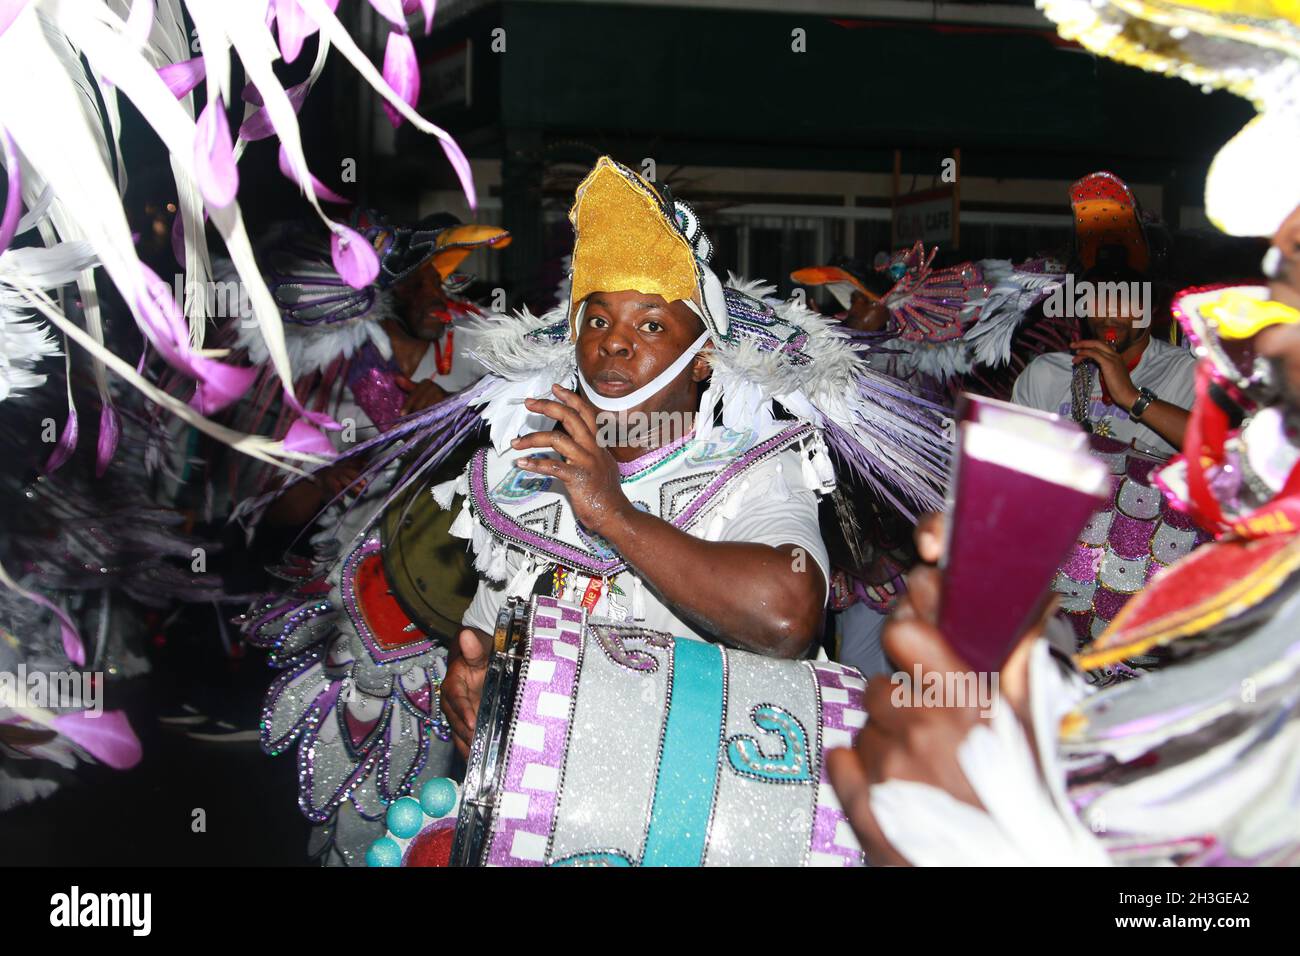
x: 650, y: 388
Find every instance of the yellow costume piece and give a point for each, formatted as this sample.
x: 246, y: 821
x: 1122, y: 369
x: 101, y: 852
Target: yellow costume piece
x: 625, y: 242
x: 1239, y: 315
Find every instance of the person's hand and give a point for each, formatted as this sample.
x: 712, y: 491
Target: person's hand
x: 1114, y: 371
x: 336, y: 479
x: 915, y: 742
x: 588, y: 471
x: 420, y: 395
x: 462, y: 688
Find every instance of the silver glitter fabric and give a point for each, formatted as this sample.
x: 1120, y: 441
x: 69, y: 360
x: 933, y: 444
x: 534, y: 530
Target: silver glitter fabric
x: 632, y: 747
x: 358, y: 693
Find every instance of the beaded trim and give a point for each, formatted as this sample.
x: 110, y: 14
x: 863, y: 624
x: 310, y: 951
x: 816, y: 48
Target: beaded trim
x: 347, y: 584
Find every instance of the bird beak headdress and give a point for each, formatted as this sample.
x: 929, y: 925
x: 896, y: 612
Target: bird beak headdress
x: 840, y: 282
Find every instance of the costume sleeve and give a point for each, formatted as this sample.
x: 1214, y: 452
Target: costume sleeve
x: 482, y: 612
x: 767, y: 518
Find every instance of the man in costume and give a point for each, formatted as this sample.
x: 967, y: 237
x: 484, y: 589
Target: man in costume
x: 1120, y: 382
x: 1198, y: 767
x: 1138, y: 533
x: 947, y: 330
x: 645, y: 507
x: 370, y: 357
x: 699, y: 519
x: 65, y: 77
x: 367, y: 356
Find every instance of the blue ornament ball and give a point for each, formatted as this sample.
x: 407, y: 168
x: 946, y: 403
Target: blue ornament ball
x: 405, y: 818
x: 384, y: 852
x: 438, y: 797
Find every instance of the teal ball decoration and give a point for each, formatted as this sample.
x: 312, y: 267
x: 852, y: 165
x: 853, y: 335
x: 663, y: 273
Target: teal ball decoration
x: 384, y: 852
x: 405, y: 818
x: 438, y: 797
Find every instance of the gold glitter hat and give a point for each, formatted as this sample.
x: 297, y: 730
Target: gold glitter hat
x: 632, y: 236
x: 1249, y: 47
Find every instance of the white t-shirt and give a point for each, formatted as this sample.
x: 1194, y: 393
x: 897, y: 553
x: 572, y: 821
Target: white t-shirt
x: 762, y: 519
x: 1168, y: 370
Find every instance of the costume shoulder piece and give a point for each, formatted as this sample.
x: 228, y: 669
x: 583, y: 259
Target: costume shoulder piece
x: 695, y: 485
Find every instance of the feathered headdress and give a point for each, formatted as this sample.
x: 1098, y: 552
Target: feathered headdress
x: 71, y: 177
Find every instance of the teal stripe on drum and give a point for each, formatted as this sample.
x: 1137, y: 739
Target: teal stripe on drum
x: 688, y: 769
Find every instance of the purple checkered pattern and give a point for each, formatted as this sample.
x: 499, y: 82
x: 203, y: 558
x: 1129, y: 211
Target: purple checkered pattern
x: 525, y: 812
x: 843, y: 714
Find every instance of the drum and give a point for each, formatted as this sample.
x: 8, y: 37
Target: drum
x: 430, y: 573
x: 602, y: 744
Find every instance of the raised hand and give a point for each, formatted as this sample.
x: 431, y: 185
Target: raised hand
x: 588, y: 471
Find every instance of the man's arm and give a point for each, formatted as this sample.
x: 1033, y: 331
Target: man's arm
x: 303, y: 501
x: 1164, y: 418
x: 759, y: 597
x: 1167, y: 420
x: 920, y: 743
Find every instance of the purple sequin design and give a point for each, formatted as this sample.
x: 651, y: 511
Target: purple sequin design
x: 1127, y: 538
x: 373, y: 382
x: 651, y: 458
x: 347, y: 585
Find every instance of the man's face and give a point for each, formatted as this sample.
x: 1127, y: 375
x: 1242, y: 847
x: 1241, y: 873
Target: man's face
x: 866, y: 315
x: 423, y: 304
x: 1286, y: 288
x: 1281, y: 343
x: 627, y: 338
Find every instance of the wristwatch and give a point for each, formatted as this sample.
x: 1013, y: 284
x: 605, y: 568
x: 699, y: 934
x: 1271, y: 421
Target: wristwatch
x: 1144, y: 400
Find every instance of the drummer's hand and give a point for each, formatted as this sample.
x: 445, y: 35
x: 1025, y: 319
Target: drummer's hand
x: 463, y: 686
x: 420, y: 395
x: 588, y: 471
x: 916, y: 743
x: 340, y: 479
